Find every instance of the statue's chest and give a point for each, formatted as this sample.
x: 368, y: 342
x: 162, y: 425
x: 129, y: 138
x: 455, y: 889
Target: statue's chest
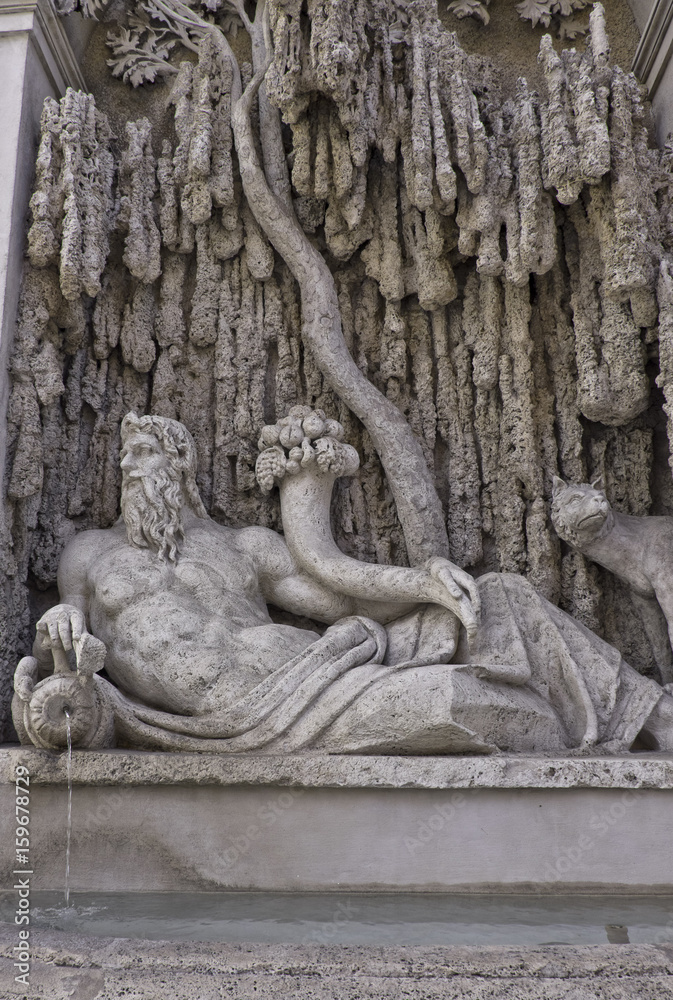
x: 128, y: 577
x: 209, y: 580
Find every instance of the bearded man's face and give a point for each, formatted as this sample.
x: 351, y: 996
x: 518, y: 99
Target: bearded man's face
x: 151, y: 497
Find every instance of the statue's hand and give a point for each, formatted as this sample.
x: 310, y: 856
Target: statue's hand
x: 462, y: 588
x: 60, y: 625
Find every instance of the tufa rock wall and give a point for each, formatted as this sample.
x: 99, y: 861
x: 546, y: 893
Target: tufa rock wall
x: 504, y: 277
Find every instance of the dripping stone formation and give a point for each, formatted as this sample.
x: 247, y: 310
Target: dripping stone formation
x: 358, y: 236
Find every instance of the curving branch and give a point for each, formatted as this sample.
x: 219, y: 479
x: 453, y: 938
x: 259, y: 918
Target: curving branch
x: 266, y: 184
x: 418, y: 505
x: 273, y: 153
x: 187, y: 22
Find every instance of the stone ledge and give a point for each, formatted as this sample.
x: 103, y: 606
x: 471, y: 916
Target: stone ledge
x: 128, y: 768
x: 64, y: 965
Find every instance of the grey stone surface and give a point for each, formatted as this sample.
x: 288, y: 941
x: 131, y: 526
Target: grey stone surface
x: 310, y: 770
x: 103, y: 969
x: 280, y: 839
x: 36, y: 61
x: 151, y: 821
x: 428, y: 324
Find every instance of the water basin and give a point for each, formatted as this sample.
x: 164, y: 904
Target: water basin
x: 355, y: 918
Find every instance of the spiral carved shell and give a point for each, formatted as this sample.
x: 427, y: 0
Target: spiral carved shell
x: 39, y: 709
x: 304, y: 439
x: 46, y: 711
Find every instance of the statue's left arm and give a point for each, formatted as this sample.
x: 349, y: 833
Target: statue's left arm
x: 287, y: 586
x: 401, y: 588
x: 304, y: 453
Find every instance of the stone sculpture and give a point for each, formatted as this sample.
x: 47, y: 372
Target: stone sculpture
x: 636, y: 549
x: 416, y: 659
x: 491, y: 257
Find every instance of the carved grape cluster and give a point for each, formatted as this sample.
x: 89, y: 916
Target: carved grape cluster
x: 304, y: 439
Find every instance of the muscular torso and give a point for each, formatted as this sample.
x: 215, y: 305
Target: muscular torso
x: 188, y: 638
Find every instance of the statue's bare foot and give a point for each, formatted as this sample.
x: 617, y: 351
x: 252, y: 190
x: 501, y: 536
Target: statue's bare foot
x: 657, y: 733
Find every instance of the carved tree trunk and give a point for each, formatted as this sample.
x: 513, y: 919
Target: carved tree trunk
x: 418, y: 505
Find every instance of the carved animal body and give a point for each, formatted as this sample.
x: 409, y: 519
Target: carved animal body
x: 639, y: 550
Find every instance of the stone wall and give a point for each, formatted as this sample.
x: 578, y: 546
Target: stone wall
x: 501, y: 263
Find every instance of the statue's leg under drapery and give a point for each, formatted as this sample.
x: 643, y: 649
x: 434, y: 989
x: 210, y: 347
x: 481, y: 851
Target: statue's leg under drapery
x: 536, y: 680
x: 439, y: 709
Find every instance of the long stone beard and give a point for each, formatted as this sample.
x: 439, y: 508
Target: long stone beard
x: 152, y: 512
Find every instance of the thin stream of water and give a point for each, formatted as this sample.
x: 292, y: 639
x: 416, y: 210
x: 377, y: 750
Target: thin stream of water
x: 69, y: 825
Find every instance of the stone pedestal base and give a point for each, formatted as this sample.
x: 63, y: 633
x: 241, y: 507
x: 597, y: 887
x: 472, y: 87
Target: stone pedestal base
x: 143, y: 821
x: 66, y: 966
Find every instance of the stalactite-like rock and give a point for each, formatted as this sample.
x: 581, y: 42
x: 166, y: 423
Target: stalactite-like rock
x: 46, y: 203
x: 136, y: 338
x: 665, y: 377
x: 537, y: 225
x: 471, y: 144
x: 621, y: 229
x: 590, y: 105
x: 205, y: 300
x: 503, y: 270
x: 72, y: 201
x: 383, y: 254
x: 559, y: 350
x: 137, y: 183
x: 24, y: 414
x: 170, y: 323
x: 202, y: 163
x: 480, y: 218
x: 613, y: 385
x: 434, y: 283
x: 108, y: 313
x: 48, y: 374
x: 455, y: 419
x: 561, y: 159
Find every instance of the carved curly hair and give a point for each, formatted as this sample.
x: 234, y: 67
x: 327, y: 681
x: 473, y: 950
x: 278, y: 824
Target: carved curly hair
x: 178, y: 444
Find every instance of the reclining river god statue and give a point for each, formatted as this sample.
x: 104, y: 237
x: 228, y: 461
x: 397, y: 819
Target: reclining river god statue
x: 421, y: 660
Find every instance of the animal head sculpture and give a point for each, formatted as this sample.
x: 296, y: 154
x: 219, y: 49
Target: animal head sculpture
x: 581, y: 513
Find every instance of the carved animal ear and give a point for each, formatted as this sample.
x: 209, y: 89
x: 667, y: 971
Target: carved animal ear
x: 558, y: 485
x: 598, y: 484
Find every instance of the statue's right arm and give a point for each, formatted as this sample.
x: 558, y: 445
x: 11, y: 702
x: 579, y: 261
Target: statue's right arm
x: 68, y: 620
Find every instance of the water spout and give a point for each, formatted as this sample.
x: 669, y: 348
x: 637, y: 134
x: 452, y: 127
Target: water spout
x: 69, y: 824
